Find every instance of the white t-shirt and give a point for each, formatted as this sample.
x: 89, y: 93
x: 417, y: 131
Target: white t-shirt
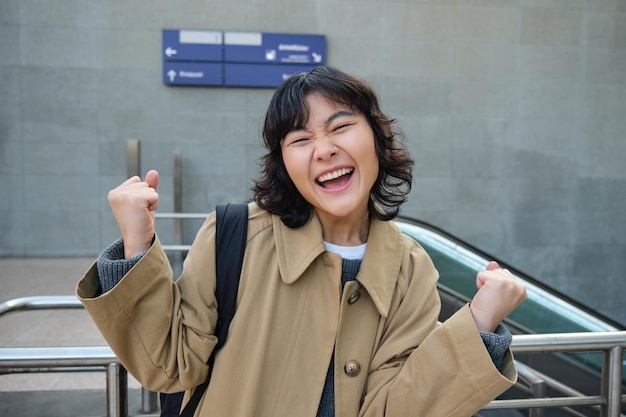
x: 347, y: 252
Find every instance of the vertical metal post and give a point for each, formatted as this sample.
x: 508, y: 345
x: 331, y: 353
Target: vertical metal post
x: 177, y: 257
x: 117, y: 391
x: 604, y: 382
x: 178, y: 197
x: 614, y: 382
x: 539, y: 391
x: 133, y: 161
x: 149, y: 401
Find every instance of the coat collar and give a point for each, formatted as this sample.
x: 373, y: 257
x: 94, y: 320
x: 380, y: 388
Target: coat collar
x: 298, y: 248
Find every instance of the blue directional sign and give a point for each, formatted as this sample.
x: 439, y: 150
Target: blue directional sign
x: 192, y: 73
x: 238, y: 59
x: 260, y: 75
x: 274, y: 48
x: 192, y: 45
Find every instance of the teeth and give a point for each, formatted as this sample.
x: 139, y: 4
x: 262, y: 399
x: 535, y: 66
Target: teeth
x: 334, y: 174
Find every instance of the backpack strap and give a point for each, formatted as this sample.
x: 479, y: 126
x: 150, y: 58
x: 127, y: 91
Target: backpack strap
x: 230, y: 243
x: 231, y: 233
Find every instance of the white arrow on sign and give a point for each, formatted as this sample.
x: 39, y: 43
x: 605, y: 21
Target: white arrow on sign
x: 169, y: 51
x: 171, y: 74
x: 317, y: 57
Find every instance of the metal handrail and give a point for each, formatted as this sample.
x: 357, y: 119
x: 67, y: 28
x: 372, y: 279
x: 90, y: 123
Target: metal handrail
x: 568, y: 342
x: 52, y: 302
x: 55, y: 359
x: 537, y: 386
x: 610, y: 343
x: 178, y: 246
x: 539, y: 383
x: 51, y: 358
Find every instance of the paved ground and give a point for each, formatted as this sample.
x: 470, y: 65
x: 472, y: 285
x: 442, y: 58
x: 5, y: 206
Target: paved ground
x: 65, y: 394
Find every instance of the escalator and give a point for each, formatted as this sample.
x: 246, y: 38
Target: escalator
x: 545, y: 310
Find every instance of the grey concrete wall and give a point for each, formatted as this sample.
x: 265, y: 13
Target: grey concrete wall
x: 514, y: 110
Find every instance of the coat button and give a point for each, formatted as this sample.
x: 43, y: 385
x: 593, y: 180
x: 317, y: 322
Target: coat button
x: 352, y: 368
x: 354, y: 297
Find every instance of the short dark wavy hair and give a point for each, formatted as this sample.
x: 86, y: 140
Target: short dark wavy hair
x: 274, y: 190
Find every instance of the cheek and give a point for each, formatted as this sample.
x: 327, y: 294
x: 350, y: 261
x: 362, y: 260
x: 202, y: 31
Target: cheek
x: 370, y: 159
x: 373, y: 170
x: 288, y: 161
x: 294, y: 166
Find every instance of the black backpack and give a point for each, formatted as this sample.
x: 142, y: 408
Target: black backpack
x: 230, y: 244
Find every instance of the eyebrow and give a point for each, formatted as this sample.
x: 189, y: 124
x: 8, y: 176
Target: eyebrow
x: 328, y: 121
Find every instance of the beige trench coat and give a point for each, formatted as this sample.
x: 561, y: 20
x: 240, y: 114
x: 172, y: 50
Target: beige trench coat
x: 391, y: 359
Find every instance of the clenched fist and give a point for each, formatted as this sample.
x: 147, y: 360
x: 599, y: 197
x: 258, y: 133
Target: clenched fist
x: 499, y: 293
x: 133, y: 204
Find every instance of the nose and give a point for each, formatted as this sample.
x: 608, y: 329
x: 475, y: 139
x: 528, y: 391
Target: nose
x: 325, y: 149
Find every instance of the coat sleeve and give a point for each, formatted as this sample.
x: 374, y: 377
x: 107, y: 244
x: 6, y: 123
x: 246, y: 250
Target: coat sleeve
x: 423, y: 369
x: 162, y: 331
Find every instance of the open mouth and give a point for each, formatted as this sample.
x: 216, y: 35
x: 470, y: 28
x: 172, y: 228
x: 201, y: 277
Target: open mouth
x: 336, y: 178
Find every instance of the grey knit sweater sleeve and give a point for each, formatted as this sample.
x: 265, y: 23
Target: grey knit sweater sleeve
x: 497, y: 344
x: 112, y: 266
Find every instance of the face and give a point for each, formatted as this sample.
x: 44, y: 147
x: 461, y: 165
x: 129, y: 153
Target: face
x: 332, y: 160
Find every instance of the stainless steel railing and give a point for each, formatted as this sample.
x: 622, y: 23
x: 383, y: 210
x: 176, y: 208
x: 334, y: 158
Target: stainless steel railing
x: 40, y: 302
x: 53, y: 359
x: 608, y: 403
x: 611, y: 344
x: 71, y: 359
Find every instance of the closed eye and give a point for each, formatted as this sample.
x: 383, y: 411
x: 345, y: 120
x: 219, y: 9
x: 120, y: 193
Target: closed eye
x: 342, y: 126
x: 297, y: 141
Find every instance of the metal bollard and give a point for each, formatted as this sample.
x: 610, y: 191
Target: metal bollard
x: 133, y: 158
x: 117, y: 391
x: 176, y: 258
x: 178, y: 197
x: 149, y: 401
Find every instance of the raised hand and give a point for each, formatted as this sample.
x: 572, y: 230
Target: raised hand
x: 133, y: 204
x: 499, y: 293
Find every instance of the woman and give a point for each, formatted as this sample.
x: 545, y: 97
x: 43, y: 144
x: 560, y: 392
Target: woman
x: 337, y: 309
